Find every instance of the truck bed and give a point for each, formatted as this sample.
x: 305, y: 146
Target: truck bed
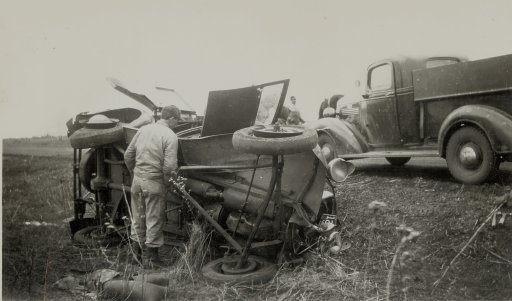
x: 492, y: 75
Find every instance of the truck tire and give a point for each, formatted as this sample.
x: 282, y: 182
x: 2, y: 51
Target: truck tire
x: 245, y: 141
x: 263, y: 270
x: 87, y: 138
x: 398, y: 161
x: 328, y: 146
x: 470, y: 157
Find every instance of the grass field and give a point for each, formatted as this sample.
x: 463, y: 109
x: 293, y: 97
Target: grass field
x: 445, y: 213
x: 41, y: 146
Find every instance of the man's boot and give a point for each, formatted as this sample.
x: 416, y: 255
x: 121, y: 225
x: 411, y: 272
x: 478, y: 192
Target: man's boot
x: 152, y: 260
x: 137, y: 252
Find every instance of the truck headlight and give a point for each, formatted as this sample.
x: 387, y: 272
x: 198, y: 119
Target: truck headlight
x: 340, y: 169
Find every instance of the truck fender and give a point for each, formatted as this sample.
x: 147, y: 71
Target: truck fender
x: 344, y: 138
x: 495, y: 123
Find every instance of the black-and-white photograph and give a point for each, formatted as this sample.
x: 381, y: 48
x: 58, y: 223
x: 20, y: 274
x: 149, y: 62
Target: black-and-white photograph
x: 268, y: 150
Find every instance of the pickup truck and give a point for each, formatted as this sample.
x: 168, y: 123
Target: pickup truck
x: 445, y: 107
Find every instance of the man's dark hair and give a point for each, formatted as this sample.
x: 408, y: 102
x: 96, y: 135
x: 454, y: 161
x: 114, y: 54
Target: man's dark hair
x: 171, y: 111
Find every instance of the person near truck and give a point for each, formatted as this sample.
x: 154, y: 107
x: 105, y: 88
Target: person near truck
x: 323, y: 106
x: 295, y: 118
x: 152, y: 160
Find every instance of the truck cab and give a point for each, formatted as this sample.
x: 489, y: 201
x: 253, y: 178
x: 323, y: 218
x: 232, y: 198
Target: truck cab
x: 442, y: 106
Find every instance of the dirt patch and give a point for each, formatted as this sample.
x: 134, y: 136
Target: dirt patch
x: 446, y: 213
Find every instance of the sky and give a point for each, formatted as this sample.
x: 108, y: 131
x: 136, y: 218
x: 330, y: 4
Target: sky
x: 57, y: 54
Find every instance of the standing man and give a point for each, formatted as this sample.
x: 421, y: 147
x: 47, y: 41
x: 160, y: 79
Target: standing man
x: 293, y: 106
x: 152, y: 159
x: 295, y: 111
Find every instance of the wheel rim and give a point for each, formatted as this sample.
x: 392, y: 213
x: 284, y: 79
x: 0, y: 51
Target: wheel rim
x: 470, y: 155
x: 230, y: 267
x: 277, y: 131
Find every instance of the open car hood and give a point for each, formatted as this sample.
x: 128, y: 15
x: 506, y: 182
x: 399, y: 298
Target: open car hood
x: 140, y: 98
x: 230, y: 110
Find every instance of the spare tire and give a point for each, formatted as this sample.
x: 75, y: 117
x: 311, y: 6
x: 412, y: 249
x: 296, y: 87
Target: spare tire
x: 93, y: 137
x: 245, y: 141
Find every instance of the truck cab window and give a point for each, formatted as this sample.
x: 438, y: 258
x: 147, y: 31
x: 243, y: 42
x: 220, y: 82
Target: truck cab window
x: 381, y: 77
x: 431, y: 63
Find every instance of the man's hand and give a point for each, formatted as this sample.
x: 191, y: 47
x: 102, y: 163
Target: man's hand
x: 173, y: 177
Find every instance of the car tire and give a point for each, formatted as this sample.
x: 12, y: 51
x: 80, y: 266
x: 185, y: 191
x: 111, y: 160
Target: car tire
x: 328, y: 147
x: 263, y: 272
x: 87, y: 138
x: 398, y: 161
x: 92, y: 237
x: 245, y: 141
x: 87, y: 168
x: 470, y: 157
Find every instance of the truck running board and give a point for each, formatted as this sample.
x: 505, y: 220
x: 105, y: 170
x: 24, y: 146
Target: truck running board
x: 392, y: 154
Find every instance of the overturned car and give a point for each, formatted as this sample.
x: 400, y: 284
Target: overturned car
x: 258, y: 184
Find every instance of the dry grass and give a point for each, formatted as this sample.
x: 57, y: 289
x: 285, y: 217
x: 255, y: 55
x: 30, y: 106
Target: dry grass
x: 321, y: 277
x: 445, y: 212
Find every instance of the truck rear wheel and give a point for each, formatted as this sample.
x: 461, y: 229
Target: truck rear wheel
x: 398, y: 161
x: 470, y: 157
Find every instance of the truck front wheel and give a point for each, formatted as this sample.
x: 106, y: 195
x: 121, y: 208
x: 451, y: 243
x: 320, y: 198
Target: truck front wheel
x: 470, y: 157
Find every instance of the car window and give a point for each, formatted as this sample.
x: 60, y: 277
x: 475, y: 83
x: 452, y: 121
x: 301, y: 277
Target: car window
x: 431, y: 63
x: 381, y: 77
x: 269, y: 100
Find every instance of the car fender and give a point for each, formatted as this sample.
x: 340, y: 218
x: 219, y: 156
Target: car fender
x: 495, y: 123
x: 345, y: 139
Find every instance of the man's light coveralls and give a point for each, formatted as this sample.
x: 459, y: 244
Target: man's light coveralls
x: 152, y: 156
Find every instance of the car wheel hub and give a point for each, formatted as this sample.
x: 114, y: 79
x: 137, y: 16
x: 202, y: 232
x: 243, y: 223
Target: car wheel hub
x: 470, y: 155
x: 276, y: 131
x: 230, y: 267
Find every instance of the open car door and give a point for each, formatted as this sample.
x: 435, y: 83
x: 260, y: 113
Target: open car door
x: 230, y: 110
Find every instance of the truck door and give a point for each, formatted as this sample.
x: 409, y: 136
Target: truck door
x: 381, y: 116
